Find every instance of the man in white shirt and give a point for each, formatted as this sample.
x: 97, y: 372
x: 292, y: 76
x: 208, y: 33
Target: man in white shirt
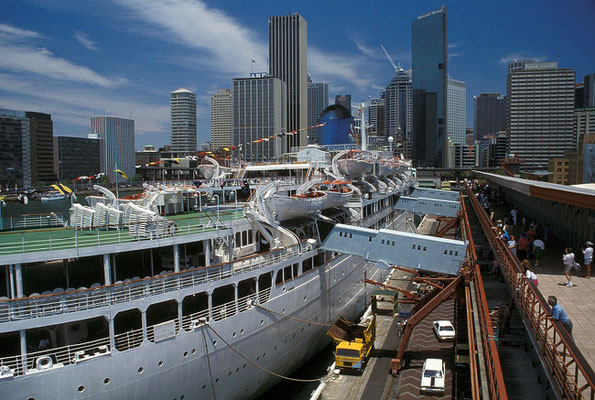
x: 588, y: 254
x: 538, y: 248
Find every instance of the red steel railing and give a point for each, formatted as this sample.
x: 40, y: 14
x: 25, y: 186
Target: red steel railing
x: 570, y: 373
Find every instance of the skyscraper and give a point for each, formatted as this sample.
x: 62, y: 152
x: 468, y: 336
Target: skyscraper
x: 116, y: 144
x: 259, y: 114
x: 540, y: 129
x: 317, y: 102
x: 344, y: 100
x: 428, y: 60
x: 399, y: 107
x: 376, y: 115
x: 183, y: 120
x: 489, y: 114
x: 76, y: 156
x: 288, y: 37
x: 589, y: 91
x: 221, y: 119
x: 456, y: 111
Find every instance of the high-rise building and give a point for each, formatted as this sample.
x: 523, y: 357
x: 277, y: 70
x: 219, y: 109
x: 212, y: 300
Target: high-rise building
x: 183, y: 120
x: 584, y: 124
x: 456, y: 111
x: 398, y: 117
x: 429, y: 65
x: 221, y: 119
x: 376, y: 115
x: 317, y: 102
x: 344, y: 100
x: 489, y: 114
x: 540, y: 129
x: 579, y: 95
x: 259, y: 114
x: 76, y: 156
x: 30, y: 136
x: 518, y: 65
x: 589, y: 85
x: 502, y: 147
x: 116, y: 144
x: 288, y: 45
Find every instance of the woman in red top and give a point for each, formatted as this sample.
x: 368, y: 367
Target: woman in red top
x: 522, y: 246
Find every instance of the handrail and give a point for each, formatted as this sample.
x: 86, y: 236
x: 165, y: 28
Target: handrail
x: 496, y: 383
x: 567, y: 368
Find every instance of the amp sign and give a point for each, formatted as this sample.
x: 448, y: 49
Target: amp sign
x: 258, y: 75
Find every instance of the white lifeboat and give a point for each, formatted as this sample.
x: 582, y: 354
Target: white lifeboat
x: 297, y: 205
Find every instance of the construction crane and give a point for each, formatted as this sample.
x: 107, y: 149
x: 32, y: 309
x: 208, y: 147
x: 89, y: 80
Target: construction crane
x: 390, y: 59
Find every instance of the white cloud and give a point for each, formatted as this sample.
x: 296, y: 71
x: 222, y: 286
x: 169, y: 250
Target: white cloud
x: 454, y: 45
x: 338, y: 67
x: 368, y: 51
x: 14, y: 32
x: 517, y: 56
x: 85, y: 41
x: 230, y: 46
x: 455, y: 54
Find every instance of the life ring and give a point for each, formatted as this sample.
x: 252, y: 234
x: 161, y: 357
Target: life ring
x: 44, y: 362
x: 172, y: 229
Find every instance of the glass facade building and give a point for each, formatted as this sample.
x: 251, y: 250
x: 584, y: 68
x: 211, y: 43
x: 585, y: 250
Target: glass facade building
x: 317, y: 102
x: 489, y: 114
x: 429, y: 65
x: 76, y: 157
x: 116, y: 144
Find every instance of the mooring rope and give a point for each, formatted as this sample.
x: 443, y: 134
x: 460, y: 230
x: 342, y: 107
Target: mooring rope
x: 204, y: 339
x: 294, y: 318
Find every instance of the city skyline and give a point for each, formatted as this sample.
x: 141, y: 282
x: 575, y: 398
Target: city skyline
x: 123, y: 57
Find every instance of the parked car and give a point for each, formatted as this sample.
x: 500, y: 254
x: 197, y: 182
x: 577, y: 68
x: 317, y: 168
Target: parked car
x: 444, y: 330
x: 433, y: 376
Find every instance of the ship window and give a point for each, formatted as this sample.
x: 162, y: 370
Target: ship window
x: 424, y: 248
x: 393, y: 243
x: 307, y: 265
x: 264, y: 286
x: 450, y: 253
x: 244, y: 238
x: 127, y: 329
x: 238, y: 239
x: 445, y: 252
x: 81, y: 388
x: 318, y: 259
x: 370, y: 239
x: 418, y: 247
x: 341, y: 234
x: 250, y: 236
x: 106, y: 381
x: 194, y: 307
x: 287, y: 273
x: 456, y: 253
x: 246, y: 292
x: 223, y: 302
x: 279, y: 279
x: 296, y: 270
x: 161, y: 312
x: 350, y: 236
x: 382, y: 241
x: 413, y: 246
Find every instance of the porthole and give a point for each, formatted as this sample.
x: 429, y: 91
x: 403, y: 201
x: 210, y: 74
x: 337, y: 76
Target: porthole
x: 283, y: 311
x: 160, y: 364
x: 234, y: 334
x: 140, y: 370
x: 185, y: 354
x: 229, y: 373
x: 216, y: 380
x: 31, y: 398
x: 237, y: 369
x: 244, y: 366
x: 305, y: 298
x: 257, y: 358
x: 302, y: 328
x: 182, y: 397
x: 275, y: 347
x: 106, y: 381
x: 284, y: 289
x: 241, y: 331
x: 193, y: 351
x: 81, y: 389
x: 204, y: 387
x: 214, y: 343
x: 264, y: 355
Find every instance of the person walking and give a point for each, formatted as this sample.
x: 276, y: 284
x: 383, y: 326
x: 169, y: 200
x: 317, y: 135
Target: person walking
x: 588, y: 255
x: 514, y: 214
x: 523, y: 246
x: 559, y: 315
x: 568, y: 260
x: 512, y: 245
x: 538, y: 248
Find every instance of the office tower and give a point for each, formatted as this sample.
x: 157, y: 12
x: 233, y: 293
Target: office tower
x: 317, y: 102
x: 259, y: 118
x: 489, y: 114
x: 429, y: 65
x: 589, y: 90
x: 502, y: 147
x: 76, y: 156
x: 469, y: 139
x: 344, y: 100
x: 584, y: 124
x: 221, y: 119
x: 518, y: 65
x: 183, y: 121
x: 398, y: 118
x: 464, y: 156
x: 288, y: 37
x: 540, y: 129
x: 456, y: 111
x: 579, y: 95
x: 27, y: 148
x: 116, y: 144
x: 377, y: 115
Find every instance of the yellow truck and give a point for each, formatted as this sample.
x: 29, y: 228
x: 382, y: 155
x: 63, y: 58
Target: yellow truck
x: 354, y: 343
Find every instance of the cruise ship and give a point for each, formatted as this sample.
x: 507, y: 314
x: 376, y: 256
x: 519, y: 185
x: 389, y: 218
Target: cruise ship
x: 185, y: 292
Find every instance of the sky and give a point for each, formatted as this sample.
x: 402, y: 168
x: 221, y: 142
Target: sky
x: 78, y: 59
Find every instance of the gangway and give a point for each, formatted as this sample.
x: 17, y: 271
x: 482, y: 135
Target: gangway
x: 424, y: 205
x: 436, y: 194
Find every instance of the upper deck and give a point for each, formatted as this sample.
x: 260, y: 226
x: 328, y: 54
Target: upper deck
x: 36, y: 245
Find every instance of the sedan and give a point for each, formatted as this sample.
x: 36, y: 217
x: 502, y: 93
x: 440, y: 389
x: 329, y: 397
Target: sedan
x: 433, y: 376
x: 444, y: 330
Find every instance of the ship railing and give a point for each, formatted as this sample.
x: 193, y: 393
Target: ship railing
x: 71, y: 238
x: 87, y: 299
x: 129, y: 340
x: 29, y: 221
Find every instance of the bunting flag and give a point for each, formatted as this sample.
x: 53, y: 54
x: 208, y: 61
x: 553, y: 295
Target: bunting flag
x: 233, y: 148
x: 65, y: 188
x: 155, y: 162
x: 174, y: 160
x: 81, y: 177
x: 99, y: 175
x: 225, y: 149
x: 122, y: 173
x: 57, y: 188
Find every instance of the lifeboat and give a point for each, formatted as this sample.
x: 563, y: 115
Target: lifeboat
x: 337, y: 193
x: 297, y: 205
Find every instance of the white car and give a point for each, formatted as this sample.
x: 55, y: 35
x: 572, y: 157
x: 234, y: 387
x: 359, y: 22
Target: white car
x: 432, y: 376
x: 444, y: 330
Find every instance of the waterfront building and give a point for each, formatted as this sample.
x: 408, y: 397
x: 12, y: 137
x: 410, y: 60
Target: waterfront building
x: 317, y: 102
x: 343, y: 100
x: 429, y: 84
x: 540, y: 112
x: 259, y: 114
x: 398, y: 119
x: 221, y: 119
x: 456, y: 111
x: 183, y: 120
x: 26, y: 148
x: 288, y: 37
x: 116, y: 144
x: 489, y: 114
x: 76, y: 156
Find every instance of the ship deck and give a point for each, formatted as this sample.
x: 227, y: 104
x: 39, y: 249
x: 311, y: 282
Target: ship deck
x: 68, y: 238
